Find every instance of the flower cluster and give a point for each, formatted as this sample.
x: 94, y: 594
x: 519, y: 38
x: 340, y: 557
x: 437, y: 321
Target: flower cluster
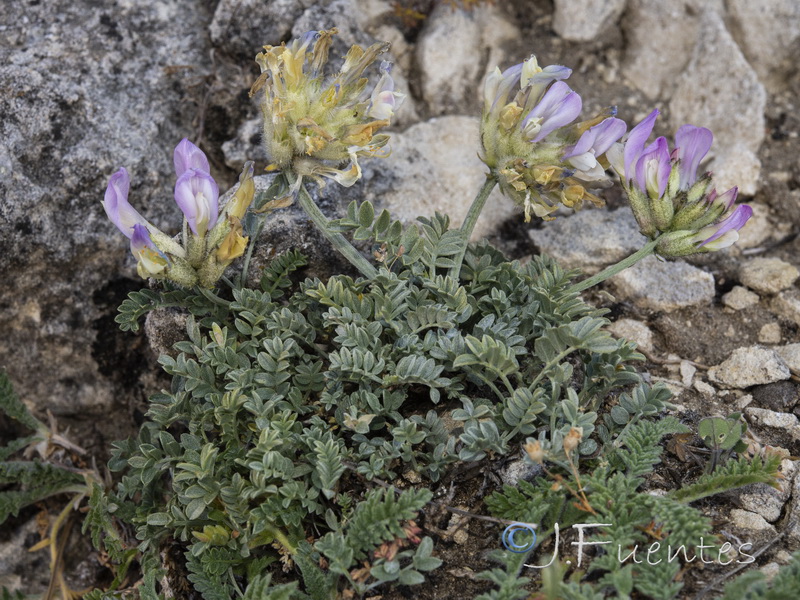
x: 540, y: 158
x: 670, y: 201
x: 216, y: 238
x: 313, y: 123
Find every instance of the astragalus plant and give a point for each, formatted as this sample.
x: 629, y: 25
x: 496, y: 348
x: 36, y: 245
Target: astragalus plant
x: 310, y: 423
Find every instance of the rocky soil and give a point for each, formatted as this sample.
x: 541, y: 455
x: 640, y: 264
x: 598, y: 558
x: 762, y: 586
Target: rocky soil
x: 85, y: 90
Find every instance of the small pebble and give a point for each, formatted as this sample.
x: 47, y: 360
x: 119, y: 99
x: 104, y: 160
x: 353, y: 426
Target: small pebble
x: 770, y: 334
x: 740, y: 298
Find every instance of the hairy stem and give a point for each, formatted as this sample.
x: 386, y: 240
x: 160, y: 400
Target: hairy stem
x: 337, y: 239
x: 644, y: 251
x: 470, y: 220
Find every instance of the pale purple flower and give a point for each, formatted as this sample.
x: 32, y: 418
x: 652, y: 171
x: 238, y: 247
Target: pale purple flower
x: 197, y: 195
x: 558, y: 107
x: 188, y: 156
x: 653, y: 168
x: 498, y: 87
x: 623, y: 156
x: 116, y: 205
x: 692, y: 144
x: 535, y: 81
x: 385, y: 101
x: 726, y: 232
x: 594, y: 142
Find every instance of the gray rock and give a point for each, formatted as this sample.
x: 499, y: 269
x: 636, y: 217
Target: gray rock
x: 660, y: 37
x: 790, y: 353
x: 740, y: 298
x: 780, y: 396
x: 590, y: 239
x: 434, y: 166
x: 792, y: 527
x: 787, y: 305
x: 786, y: 422
x: 247, y: 145
x: 764, y: 499
x: 705, y: 97
x: 86, y: 90
x: 768, y: 275
x: 769, y: 34
x: 749, y: 520
x: 518, y: 470
x: 635, y: 331
x: 242, y: 27
x: 20, y: 569
x: 652, y: 283
x: 456, y: 49
x: 752, y: 365
x: 165, y: 327
x: 735, y: 166
x: 585, y: 20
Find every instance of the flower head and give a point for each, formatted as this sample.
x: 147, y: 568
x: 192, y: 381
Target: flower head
x: 668, y: 199
x: 312, y: 123
x: 217, y: 237
x: 540, y: 157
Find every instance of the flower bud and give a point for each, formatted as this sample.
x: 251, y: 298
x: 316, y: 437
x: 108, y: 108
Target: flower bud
x: 534, y: 451
x: 572, y: 439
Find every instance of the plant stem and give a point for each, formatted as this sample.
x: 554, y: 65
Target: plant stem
x: 644, y: 251
x: 213, y: 297
x: 249, y: 255
x: 337, y: 239
x: 469, y: 222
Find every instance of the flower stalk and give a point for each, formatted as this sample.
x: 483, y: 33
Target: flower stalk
x: 470, y: 220
x: 336, y: 239
x: 646, y: 250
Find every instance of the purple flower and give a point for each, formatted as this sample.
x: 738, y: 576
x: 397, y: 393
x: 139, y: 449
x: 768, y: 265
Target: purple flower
x: 692, y: 145
x: 726, y: 232
x: 534, y: 80
x: 594, y: 142
x: 197, y: 195
x: 558, y: 107
x: 653, y: 168
x: 119, y: 211
x: 150, y: 260
x: 498, y: 87
x: 188, y: 156
x: 623, y: 157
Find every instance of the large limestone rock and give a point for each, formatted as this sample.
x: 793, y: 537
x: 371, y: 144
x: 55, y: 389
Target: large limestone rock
x: 84, y: 91
x: 434, y: 166
x: 585, y: 20
x: 456, y: 49
x: 768, y: 32
x: 720, y: 90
